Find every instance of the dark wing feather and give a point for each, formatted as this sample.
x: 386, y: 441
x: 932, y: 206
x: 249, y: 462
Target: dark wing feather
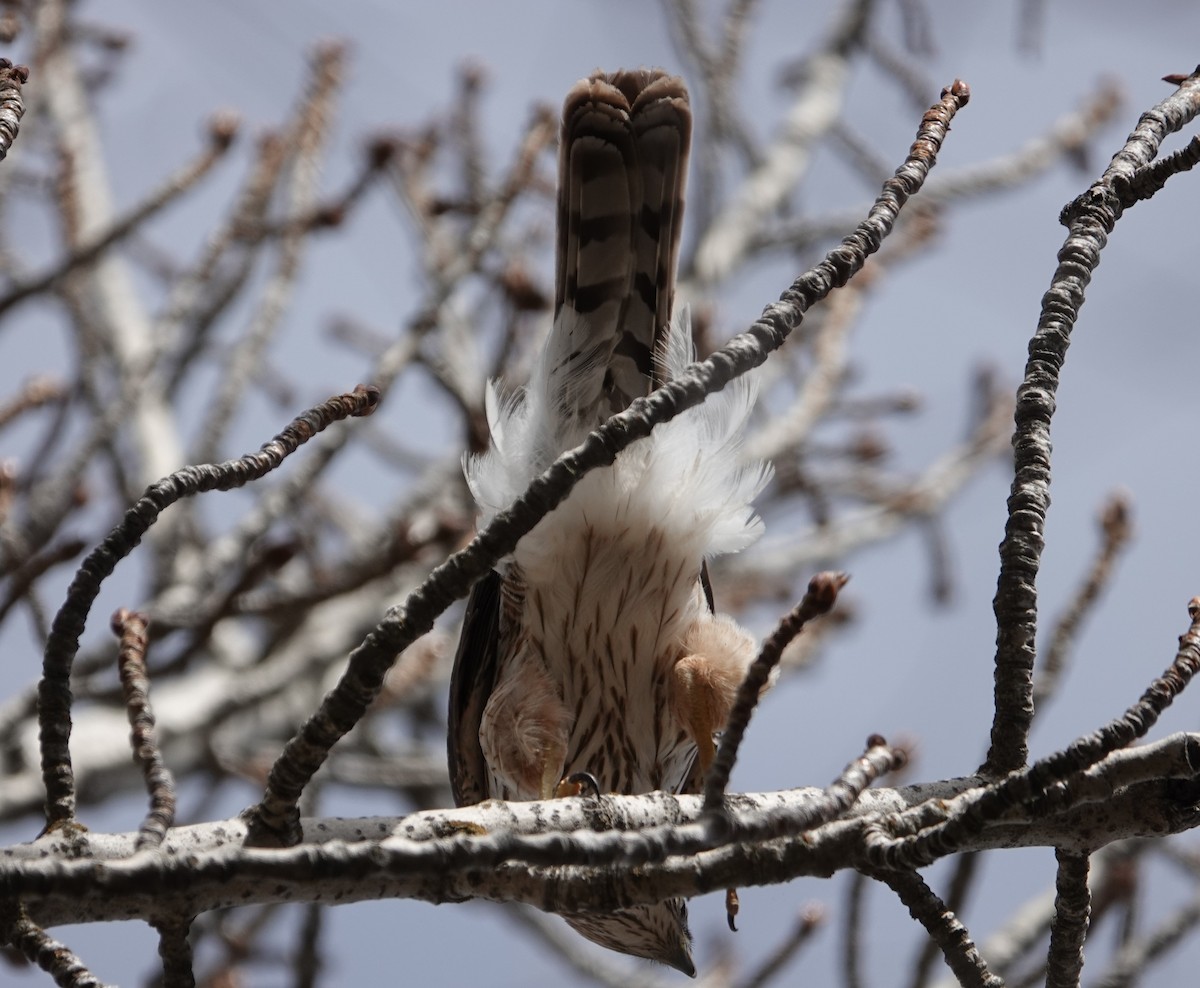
x: 471, y: 683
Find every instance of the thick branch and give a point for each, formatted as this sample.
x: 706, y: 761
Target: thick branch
x: 568, y: 855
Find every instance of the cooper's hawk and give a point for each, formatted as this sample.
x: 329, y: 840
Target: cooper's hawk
x: 596, y: 649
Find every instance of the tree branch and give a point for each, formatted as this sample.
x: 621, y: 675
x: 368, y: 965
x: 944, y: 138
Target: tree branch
x: 568, y: 855
x: 1089, y: 219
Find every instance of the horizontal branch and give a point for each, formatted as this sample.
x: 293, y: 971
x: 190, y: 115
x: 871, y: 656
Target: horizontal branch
x: 566, y: 855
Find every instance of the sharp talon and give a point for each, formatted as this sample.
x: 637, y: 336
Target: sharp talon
x: 576, y: 784
x: 584, y: 782
x: 731, y: 908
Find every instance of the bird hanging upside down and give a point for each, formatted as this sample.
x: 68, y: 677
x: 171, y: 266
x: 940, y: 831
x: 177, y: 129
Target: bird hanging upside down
x: 595, y: 649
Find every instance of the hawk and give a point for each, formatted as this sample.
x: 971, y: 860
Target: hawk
x: 595, y: 648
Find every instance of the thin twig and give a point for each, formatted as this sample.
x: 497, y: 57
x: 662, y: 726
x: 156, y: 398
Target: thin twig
x: 130, y: 627
x: 966, y: 869
x: 201, y: 293
x: 313, y: 121
x: 22, y: 578
x: 334, y: 211
x: 903, y: 69
x: 34, y: 393
x: 1149, y: 179
x: 732, y: 231
x: 222, y: 131
x: 1024, y: 931
x: 819, y: 599
x: 308, y: 962
x: 1065, y: 139
x: 932, y: 832
x: 808, y: 923
x: 1116, y: 528
x: 1133, y: 959
x: 466, y: 132
x: 852, y: 931
x: 589, y: 963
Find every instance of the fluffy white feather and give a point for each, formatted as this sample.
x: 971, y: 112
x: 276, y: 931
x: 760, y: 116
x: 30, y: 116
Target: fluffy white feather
x: 685, y: 479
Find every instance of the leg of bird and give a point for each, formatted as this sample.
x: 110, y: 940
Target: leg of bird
x: 706, y: 684
x: 523, y: 732
x: 717, y: 654
x: 700, y: 703
x: 551, y: 787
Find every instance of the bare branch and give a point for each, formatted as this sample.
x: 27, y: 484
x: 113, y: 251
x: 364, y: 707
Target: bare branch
x: 176, y: 953
x: 12, y: 104
x: 54, y: 958
x: 254, y: 606
x: 943, y: 926
x: 1134, y: 958
x: 222, y: 131
x: 1115, y: 528
x: 1090, y: 219
x: 818, y: 599
x: 1072, y: 909
x: 547, y: 854
x: 313, y: 120
x: 966, y: 870
x: 933, y: 832
x: 810, y: 920
x: 813, y: 113
x: 130, y: 627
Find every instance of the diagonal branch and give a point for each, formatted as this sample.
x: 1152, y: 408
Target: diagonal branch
x: 56, y: 959
x: 222, y: 131
x: 943, y: 926
x: 819, y: 599
x: 1116, y: 528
